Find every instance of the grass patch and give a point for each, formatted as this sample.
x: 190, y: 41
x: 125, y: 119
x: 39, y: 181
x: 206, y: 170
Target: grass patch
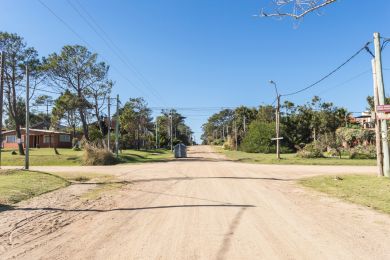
x: 17, y: 185
x: 134, y: 156
x: 69, y: 157
x: 96, y: 193
x: 367, y: 190
x: 43, y: 156
x: 74, y: 176
x: 82, y: 179
x: 292, y: 159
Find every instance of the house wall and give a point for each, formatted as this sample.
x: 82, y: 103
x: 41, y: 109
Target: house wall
x: 38, y: 140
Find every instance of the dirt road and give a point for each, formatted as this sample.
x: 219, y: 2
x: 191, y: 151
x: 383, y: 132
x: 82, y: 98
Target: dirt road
x: 204, y: 207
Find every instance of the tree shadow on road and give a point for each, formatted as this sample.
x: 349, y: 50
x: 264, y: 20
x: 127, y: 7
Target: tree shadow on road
x: 185, y: 179
x: 134, y: 209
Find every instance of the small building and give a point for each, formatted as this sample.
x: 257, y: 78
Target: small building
x: 39, y: 138
x: 365, y: 120
x: 180, y: 151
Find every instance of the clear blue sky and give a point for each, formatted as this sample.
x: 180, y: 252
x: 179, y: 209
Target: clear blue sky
x: 202, y: 53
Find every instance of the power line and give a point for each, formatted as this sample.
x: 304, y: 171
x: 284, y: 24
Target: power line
x: 111, y: 44
x: 330, y: 73
x: 119, y: 54
x: 89, y: 45
x: 346, y: 81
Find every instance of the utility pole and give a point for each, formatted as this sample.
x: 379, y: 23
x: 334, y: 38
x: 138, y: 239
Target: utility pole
x: 277, y: 120
x: 381, y: 100
x: 244, y: 123
x: 1, y: 100
x: 27, y: 133
x: 278, y: 128
x: 109, y: 123
x: 156, y: 132
x: 379, y: 154
x: 117, y: 127
x: 235, y: 134
x: 171, y: 130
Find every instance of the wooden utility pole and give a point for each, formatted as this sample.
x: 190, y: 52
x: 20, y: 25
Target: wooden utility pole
x: 244, y: 123
x: 27, y: 133
x: 109, y: 123
x: 156, y: 132
x: 235, y: 134
x: 381, y: 101
x: 278, y: 127
x: 378, y: 141
x: 2, y: 66
x: 277, y: 120
x: 117, y: 127
x: 171, y: 129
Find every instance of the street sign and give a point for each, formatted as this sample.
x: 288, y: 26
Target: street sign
x: 279, y: 138
x: 383, y: 108
x: 383, y: 116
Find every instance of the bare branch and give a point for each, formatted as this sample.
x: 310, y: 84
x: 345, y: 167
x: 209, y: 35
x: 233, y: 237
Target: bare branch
x: 299, y: 10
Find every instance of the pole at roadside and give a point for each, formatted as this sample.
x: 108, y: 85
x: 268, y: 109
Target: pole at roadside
x: 109, y: 123
x: 117, y: 127
x: 1, y: 100
x: 277, y: 121
x: 378, y: 141
x: 27, y: 135
x: 381, y: 101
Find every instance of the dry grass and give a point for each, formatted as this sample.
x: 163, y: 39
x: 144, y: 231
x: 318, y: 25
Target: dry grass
x: 97, y: 156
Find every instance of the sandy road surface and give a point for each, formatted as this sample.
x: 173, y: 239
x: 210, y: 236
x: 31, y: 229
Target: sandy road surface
x: 204, y: 207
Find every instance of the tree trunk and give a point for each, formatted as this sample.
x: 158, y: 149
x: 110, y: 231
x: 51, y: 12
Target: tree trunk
x: 14, y: 112
x: 97, y: 114
x: 19, y: 136
x: 84, y: 123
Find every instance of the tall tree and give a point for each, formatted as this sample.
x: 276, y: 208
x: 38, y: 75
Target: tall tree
x: 98, y: 95
x: 77, y: 70
x: 65, y: 109
x: 136, y: 123
x: 19, y: 55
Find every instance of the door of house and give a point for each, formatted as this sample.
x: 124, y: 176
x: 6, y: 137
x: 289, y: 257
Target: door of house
x: 36, y: 141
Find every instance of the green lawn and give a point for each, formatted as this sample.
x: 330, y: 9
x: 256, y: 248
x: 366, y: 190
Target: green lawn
x: 367, y: 190
x: 43, y: 156
x: 17, y: 185
x: 68, y: 157
x: 134, y: 156
x: 291, y: 159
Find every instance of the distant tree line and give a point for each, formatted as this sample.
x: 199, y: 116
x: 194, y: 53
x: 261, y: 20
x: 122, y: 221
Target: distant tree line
x: 73, y: 86
x: 251, y: 129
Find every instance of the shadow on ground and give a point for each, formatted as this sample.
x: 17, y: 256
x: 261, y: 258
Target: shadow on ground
x: 185, y: 179
x: 134, y: 209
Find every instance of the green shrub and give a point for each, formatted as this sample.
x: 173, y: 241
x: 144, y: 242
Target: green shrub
x: 217, y: 142
x: 228, y: 144
x: 363, y: 152
x: 258, y: 138
x: 97, y: 156
x: 312, y: 150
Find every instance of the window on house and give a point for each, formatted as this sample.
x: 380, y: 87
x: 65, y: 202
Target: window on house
x: 11, y: 139
x: 64, y: 138
x: 46, y: 139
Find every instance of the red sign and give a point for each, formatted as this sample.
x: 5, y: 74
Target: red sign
x: 383, y: 108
